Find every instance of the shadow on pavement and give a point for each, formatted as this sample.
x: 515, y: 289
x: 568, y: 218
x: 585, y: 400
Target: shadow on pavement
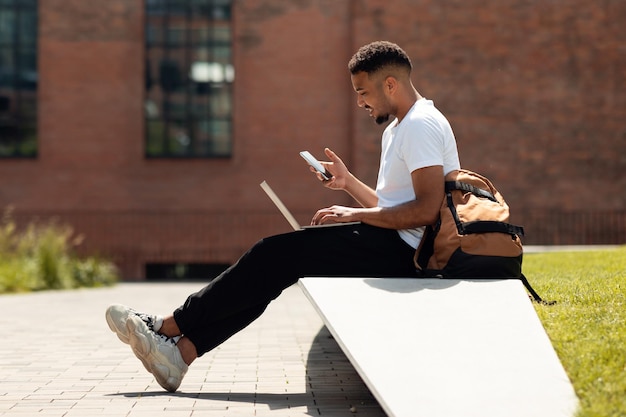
x: 333, y: 387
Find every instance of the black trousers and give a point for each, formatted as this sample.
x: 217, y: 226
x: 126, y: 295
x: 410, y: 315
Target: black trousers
x: 241, y: 293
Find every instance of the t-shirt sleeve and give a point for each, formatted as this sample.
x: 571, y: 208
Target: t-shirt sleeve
x: 422, y: 145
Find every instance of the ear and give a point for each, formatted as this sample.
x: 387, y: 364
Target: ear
x: 390, y: 85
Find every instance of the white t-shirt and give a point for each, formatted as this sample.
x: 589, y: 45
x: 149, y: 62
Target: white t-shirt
x: 424, y: 138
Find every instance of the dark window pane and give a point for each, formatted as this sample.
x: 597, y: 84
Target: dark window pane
x: 155, y: 134
x: 28, y: 107
x: 170, y: 75
x: 18, y: 78
x: 154, y: 35
x: 176, y: 35
x: 213, y: 137
x: 27, y: 27
x: 155, y: 6
x: 7, y: 26
x: 6, y: 58
x: 28, y: 141
x: 7, y: 79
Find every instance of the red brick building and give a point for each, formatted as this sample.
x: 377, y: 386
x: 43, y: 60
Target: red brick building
x: 153, y: 123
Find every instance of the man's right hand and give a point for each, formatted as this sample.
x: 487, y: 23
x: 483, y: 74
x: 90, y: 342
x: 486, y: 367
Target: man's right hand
x: 338, y: 170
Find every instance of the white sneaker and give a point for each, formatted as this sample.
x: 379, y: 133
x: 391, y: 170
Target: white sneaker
x: 117, y: 315
x: 158, y: 353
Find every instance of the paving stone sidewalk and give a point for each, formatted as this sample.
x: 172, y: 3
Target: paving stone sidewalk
x: 59, y: 358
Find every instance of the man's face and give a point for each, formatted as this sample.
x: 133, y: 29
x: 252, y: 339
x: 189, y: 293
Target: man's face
x: 371, y: 96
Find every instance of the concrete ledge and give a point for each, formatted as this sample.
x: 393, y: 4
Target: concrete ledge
x: 430, y: 347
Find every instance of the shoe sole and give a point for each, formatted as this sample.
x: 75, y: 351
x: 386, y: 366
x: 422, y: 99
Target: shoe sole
x: 151, y: 358
x: 122, y: 334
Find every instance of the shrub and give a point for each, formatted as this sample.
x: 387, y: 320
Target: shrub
x: 42, y: 257
x: 94, y: 272
x: 17, y: 275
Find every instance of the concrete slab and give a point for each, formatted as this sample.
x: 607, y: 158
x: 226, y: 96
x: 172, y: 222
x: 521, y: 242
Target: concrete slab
x: 430, y: 347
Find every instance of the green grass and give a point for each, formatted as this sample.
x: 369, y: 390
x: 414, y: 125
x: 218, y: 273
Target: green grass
x: 42, y: 256
x: 587, y: 326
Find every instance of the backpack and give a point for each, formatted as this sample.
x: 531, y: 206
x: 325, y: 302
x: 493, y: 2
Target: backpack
x: 472, y: 237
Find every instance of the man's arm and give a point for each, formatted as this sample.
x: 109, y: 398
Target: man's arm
x: 344, y: 180
x: 428, y: 184
x: 364, y: 194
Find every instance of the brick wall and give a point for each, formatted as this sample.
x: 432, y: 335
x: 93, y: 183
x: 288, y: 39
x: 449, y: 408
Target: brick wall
x: 534, y: 91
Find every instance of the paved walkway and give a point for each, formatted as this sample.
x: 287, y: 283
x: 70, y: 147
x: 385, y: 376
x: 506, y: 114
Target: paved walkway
x: 59, y: 358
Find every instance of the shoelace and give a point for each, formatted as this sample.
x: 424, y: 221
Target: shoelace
x: 146, y: 318
x: 150, y: 322
x: 166, y: 339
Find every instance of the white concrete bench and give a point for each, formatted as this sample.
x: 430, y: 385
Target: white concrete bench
x: 453, y: 348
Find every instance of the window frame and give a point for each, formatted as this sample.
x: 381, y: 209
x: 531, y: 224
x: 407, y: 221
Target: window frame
x: 189, y: 78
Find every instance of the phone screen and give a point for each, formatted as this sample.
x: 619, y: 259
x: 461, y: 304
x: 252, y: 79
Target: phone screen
x: 316, y: 164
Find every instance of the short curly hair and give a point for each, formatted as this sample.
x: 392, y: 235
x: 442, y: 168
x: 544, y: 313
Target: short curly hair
x: 376, y: 55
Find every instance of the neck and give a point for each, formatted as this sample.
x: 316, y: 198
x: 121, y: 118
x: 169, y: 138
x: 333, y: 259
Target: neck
x: 407, y: 102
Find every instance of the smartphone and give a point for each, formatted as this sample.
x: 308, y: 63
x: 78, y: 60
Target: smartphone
x: 316, y: 164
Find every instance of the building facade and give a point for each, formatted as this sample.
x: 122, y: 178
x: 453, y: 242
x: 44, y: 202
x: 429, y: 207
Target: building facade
x: 147, y: 125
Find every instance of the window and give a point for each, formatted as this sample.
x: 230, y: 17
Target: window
x: 18, y: 78
x: 189, y: 78
x: 183, y: 271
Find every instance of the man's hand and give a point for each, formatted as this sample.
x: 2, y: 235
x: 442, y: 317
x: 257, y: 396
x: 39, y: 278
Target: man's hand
x: 337, y: 169
x: 336, y: 214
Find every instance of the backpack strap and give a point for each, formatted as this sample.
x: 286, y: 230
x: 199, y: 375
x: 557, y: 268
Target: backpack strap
x: 463, y: 186
x: 481, y: 226
x: 487, y: 226
x: 536, y: 298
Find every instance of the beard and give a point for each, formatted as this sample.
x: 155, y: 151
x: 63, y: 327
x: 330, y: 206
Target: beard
x: 381, y: 119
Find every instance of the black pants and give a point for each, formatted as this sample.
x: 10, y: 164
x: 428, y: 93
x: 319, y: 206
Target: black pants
x: 241, y: 293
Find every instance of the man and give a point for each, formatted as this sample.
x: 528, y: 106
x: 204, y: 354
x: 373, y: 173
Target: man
x: 418, y: 151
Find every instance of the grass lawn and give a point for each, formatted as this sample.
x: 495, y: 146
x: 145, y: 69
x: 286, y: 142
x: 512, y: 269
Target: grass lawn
x: 587, y: 326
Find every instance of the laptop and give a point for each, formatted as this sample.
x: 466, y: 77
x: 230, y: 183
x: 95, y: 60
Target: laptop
x: 287, y: 214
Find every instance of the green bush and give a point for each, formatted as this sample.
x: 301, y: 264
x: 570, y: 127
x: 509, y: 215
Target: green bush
x: 17, y: 275
x: 42, y: 257
x: 93, y: 272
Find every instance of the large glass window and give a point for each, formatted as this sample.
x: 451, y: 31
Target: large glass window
x: 18, y: 78
x: 189, y: 78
